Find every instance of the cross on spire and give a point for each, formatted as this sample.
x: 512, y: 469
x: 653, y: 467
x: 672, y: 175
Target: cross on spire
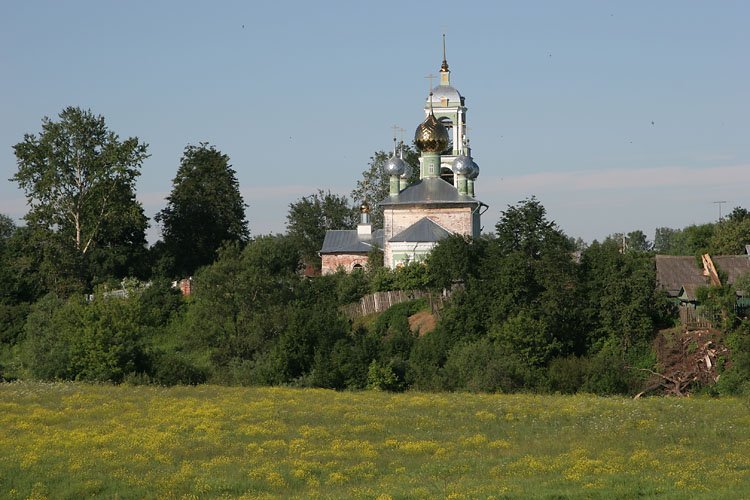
x: 395, y: 128
x: 430, y: 77
x: 444, y: 66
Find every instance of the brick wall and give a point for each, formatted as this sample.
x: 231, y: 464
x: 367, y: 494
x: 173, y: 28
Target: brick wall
x: 455, y: 219
x: 331, y: 262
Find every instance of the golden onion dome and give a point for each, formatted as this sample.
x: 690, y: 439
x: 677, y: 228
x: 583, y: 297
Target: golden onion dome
x: 431, y: 136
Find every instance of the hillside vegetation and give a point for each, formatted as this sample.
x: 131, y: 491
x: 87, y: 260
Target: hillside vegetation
x: 530, y: 311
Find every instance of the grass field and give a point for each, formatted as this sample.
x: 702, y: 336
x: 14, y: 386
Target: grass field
x: 75, y: 440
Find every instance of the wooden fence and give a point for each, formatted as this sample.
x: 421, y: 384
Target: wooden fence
x: 692, y: 320
x: 380, y: 301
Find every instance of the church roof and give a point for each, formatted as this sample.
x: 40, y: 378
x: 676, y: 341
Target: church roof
x: 349, y: 241
x: 424, y: 230
x: 427, y: 191
x: 445, y: 92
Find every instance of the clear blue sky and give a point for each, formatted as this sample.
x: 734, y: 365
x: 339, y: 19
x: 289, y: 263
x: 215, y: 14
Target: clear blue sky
x: 561, y: 97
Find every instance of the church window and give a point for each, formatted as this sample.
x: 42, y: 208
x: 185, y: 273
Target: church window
x: 447, y: 175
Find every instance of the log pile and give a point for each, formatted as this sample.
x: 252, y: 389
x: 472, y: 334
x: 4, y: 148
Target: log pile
x: 686, y: 360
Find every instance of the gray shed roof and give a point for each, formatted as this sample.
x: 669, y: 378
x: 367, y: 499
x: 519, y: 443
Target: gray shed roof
x: 427, y: 191
x: 348, y: 241
x: 424, y: 230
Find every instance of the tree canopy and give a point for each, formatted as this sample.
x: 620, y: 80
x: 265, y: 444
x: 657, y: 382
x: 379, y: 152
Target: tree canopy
x: 79, y: 180
x: 79, y: 177
x: 311, y: 216
x: 204, y: 210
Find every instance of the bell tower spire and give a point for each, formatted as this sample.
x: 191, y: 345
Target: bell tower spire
x: 445, y: 73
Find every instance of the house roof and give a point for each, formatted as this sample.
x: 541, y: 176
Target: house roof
x: 427, y: 191
x: 425, y: 230
x: 689, y: 292
x: 349, y: 241
x: 675, y: 272
x: 734, y: 265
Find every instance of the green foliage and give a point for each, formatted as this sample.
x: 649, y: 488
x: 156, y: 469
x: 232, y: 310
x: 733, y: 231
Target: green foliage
x: 382, y: 378
x: 413, y: 276
x: 566, y: 375
x: 735, y: 377
x: 691, y: 240
x: 310, y: 217
x: 529, y: 268
x: 719, y: 305
x: 204, y: 210
x: 529, y: 338
x: 731, y: 234
x: 12, y: 319
x: 375, y: 259
x: 79, y: 177
x: 79, y: 180
x: 485, y: 366
x: 455, y: 260
x: 76, y: 340
x: 381, y: 279
x: 46, y: 353
x: 621, y: 297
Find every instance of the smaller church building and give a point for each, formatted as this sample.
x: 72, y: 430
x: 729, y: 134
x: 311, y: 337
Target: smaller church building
x: 417, y: 216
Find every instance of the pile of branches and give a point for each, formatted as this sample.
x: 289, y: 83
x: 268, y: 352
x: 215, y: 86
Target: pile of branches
x: 687, y: 361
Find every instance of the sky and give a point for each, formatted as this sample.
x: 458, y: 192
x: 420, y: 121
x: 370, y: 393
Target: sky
x: 617, y: 116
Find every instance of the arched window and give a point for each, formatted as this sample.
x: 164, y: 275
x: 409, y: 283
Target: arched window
x: 447, y: 175
x: 448, y: 124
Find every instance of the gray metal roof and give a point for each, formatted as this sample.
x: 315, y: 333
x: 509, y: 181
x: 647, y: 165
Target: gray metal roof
x: 428, y: 191
x: 348, y: 241
x: 447, y: 92
x: 424, y: 230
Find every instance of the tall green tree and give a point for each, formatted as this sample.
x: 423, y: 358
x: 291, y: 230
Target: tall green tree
x: 204, y: 210
x: 732, y: 233
x: 533, y: 276
x: 373, y: 187
x: 79, y: 180
x: 310, y: 217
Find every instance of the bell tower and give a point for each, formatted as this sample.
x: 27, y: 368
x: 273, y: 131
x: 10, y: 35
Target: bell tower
x: 448, y: 106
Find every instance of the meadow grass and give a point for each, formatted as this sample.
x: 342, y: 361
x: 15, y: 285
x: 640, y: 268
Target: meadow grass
x: 76, y: 440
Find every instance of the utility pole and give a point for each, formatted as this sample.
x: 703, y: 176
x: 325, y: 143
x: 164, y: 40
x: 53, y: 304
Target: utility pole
x: 720, y: 203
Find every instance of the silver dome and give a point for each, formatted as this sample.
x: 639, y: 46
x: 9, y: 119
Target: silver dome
x: 407, y: 171
x: 474, y: 171
x: 394, y: 166
x: 462, y: 165
x: 445, y: 92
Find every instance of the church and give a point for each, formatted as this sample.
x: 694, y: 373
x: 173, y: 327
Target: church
x: 417, y: 216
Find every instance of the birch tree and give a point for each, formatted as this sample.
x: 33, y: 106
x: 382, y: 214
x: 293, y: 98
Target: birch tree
x: 79, y: 177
